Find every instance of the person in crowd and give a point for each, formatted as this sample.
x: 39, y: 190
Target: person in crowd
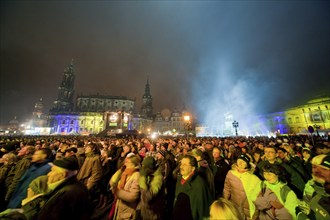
x: 125, y: 188
x: 90, y: 172
x: 294, y: 180
x: 152, y: 200
x: 24, y: 157
x: 293, y: 161
x: 204, y: 169
x: 256, y: 155
x: 126, y: 149
x: 208, y: 153
x: 164, y: 165
x: 62, y: 150
x: 106, y: 175
x: 276, y: 200
x: 307, y: 157
x: 80, y: 153
x: 224, y: 209
x: 242, y: 186
x: 71, y: 152
x: 192, y: 193
x: 220, y: 170
x: 57, y: 195
x: 321, y: 148
x: 40, y: 166
x: 8, y: 162
x: 316, y: 204
x: 151, y: 151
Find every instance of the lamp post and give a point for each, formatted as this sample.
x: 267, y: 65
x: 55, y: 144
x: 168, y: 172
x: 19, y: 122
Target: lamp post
x: 186, y: 119
x: 317, y: 127
x: 235, y: 125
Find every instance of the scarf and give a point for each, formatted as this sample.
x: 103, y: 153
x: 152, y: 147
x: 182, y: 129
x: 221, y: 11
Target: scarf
x: 124, y: 176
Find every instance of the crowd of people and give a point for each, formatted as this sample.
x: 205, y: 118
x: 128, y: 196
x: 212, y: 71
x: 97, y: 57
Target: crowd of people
x: 76, y: 177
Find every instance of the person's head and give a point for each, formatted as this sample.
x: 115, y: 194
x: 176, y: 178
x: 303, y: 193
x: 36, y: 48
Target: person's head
x: 243, y: 162
x: 224, y: 209
x: 270, y: 153
x: 321, y: 168
x: 161, y: 154
x: 132, y: 161
x: 321, y: 148
x: 208, y: 146
x: 105, y: 153
x: 306, y: 153
x: 149, y: 164
x: 188, y: 165
x: 197, y: 153
x: 257, y: 154
x: 91, y: 147
x: 62, y: 169
x: 164, y: 146
x: 8, y: 158
x: 282, y: 153
x: 272, y: 173
x: 27, y: 150
x: 216, y: 153
x: 127, y: 148
x: 41, y: 155
x: 70, y: 151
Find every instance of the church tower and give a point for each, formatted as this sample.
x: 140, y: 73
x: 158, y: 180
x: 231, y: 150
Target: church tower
x: 38, y: 109
x: 146, y: 109
x: 64, y: 101
x: 38, y: 119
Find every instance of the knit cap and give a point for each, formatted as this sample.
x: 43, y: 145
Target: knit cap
x: 245, y: 158
x: 68, y: 163
x: 149, y: 162
x: 162, y: 152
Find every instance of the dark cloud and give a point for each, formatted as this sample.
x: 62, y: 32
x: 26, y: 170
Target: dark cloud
x: 260, y: 55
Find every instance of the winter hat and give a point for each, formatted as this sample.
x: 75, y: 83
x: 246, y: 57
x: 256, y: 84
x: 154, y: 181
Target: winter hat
x: 149, y: 162
x: 165, y: 145
x: 322, y: 160
x: 306, y: 149
x: 196, y: 152
x: 68, y: 163
x: 162, y: 152
x: 245, y: 158
x: 72, y: 149
x: 9, y: 147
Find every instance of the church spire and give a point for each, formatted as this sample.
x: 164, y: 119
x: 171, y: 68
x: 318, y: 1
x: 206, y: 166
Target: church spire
x: 146, y: 108
x: 64, y: 101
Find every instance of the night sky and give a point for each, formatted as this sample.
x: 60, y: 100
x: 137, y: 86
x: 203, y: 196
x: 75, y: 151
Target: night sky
x: 243, y: 57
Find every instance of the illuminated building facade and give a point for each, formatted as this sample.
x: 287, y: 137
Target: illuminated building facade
x: 93, y: 114
x: 297, y: 119
x: 167, y: 122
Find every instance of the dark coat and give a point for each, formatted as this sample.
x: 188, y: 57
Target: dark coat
x: 4, y: 183
x: 69, y: 200
x: 221, y: 168
x: 36, y: 170
x: 192, y: 199
x: 16, y: 173
x: 152, y: 202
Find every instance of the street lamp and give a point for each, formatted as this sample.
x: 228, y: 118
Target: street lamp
x: 317, y: 127
x: 186, y: 119
x: 235, y: 125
